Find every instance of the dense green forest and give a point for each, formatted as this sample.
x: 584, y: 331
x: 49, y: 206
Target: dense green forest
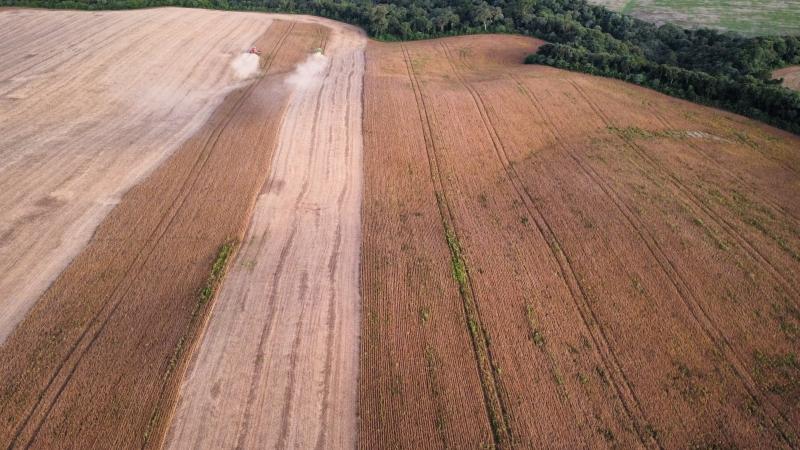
x: 720, y: 69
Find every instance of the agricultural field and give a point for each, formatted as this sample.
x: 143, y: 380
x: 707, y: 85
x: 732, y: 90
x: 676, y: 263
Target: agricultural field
x: 247, y: 230
x: 748, y: 17
x: 52, y: 157
x: 99, y: 357
x: 285, y: 328
x: 570, y: 259
x: 790, y: 76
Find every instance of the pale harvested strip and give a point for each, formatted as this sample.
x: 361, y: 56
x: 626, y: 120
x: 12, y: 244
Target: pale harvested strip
x: 278, y: 364
x: 89, y: 104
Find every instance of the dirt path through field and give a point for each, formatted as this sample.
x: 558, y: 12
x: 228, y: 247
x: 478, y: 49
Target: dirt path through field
x: 278, y: 365
x: 90, y: 104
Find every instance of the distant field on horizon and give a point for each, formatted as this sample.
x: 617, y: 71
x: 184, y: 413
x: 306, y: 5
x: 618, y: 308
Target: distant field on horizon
x: 749, y: 17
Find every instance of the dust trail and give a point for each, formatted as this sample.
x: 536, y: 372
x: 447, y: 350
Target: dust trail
x: 309, y: 72
x: 246, y: 66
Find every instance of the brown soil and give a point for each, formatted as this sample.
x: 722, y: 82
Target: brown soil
x: 631, y: 271
x: 790, y: 75
x: 97, y: 360
x: 278, y: 365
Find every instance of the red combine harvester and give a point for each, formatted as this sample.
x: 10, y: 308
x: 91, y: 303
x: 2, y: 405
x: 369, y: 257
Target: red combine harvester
x: 254, y: 50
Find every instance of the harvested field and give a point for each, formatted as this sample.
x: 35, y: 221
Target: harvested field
x: 551, y: 258
x: 62, y: 169
x: 278, y: 365
x: 790, y: 75
x: 97, y: 361
x: 423, y: 245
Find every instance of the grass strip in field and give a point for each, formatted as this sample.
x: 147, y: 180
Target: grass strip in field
x: 494, y: 408
x: 489, y: 384
x: 206, y: 294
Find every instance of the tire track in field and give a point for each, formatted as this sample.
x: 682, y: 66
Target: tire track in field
x: 607, y: 190
x: 567, y: 272
x: 777, y: 161
x: 266, y: 66
x: 274, y: 313
x: 701, y: 316
x: 334, y: 340
x: 495, y: 409
x: 699, y: 149
x: 527, y: 201
x: 151, y: 243
x: 725, y: 225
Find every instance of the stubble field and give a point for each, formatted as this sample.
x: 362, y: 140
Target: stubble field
x: 99, y: 357
x: 79, y: 127
x: 416, y: 245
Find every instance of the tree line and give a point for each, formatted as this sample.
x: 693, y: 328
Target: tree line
x: 722, y: 69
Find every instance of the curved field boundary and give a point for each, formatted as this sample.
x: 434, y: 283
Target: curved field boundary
x: 680, y: 284
x: 779, y: 420
x: 519, y: 173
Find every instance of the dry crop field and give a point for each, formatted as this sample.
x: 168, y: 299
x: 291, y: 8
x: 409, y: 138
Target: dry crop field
x: 97, y: 361
x: 278, y: 365
x: 79, y: 127
x: 553, y: 259
x: 373, y: 245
